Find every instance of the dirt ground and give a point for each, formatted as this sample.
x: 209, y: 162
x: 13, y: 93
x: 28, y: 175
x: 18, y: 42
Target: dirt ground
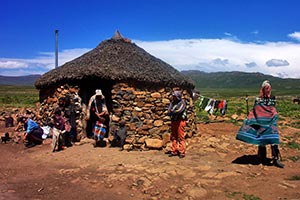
x: 216, y: 166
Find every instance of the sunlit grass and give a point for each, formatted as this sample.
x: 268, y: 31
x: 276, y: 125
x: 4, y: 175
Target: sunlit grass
x: 18, y: 96
x: 239, y: 195
x: 240, y: 102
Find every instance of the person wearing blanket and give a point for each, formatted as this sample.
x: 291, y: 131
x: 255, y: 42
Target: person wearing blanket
x: 260, y: 127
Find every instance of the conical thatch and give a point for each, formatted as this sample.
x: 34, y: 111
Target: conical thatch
x: 116, y: 59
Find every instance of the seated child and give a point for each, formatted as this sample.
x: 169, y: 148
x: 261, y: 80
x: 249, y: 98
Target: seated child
x: 120, y: 134
x: 59, y: 131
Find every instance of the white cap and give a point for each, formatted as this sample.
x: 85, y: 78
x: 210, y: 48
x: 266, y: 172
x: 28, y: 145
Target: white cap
x: 98, y: 92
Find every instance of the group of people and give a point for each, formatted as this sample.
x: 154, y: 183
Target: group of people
x: 62, y: 133
x: 260, y: 127
x: 35, y: 134
x: 97, y: 114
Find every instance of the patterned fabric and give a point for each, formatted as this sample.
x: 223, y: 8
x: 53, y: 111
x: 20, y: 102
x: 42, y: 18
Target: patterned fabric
x: 261, y: 125
x: 99, y: 130
x: 177, y: 110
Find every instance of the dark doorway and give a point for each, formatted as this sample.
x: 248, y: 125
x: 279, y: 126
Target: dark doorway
x: 87, y: 91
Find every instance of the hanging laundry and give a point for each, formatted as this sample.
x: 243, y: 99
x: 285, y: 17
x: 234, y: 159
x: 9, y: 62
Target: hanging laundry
x: 224, y: 108
x: 216, y: 108
x: 204, y: 103
x: 200, y: 99
x: 211, y: 110
x: 211, y: 105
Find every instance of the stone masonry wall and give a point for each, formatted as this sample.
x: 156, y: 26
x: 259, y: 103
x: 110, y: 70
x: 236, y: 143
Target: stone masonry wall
x: 73, y: 110
x: 144, y: 109
x: 145, y: 113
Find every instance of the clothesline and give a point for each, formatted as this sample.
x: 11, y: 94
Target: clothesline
x: 211, y: 105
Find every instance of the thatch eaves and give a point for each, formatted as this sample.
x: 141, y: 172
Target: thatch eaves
x: 116, y: 59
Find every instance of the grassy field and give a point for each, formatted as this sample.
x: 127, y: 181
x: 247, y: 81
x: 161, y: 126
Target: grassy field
x: 289, y: 113
x: 26, y: 97
x: 18, y: 96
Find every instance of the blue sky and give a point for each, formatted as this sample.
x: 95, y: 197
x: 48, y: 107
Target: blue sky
x: 212, y: 35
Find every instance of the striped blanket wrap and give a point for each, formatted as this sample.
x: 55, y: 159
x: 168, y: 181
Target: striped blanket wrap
x: 260, y: 127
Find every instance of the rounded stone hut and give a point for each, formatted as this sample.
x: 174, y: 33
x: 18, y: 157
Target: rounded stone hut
x: 136, y: 85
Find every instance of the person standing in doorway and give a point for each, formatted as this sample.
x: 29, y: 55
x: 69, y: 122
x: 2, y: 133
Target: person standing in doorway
x: 96, y: 109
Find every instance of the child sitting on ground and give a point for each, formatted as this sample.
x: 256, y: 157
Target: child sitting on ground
x: 120, y: 134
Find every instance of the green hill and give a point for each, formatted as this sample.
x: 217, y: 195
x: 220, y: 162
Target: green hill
x: 241, y: 81
x: 19, y: 80
x: 214, y: 81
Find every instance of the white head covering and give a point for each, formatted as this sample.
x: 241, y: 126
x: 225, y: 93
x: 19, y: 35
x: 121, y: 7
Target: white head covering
x: 265, y: 90
x: 265, y: 83
x: 98, y: 92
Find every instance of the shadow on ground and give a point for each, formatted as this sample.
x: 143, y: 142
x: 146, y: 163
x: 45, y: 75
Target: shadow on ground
x: 250, y: 159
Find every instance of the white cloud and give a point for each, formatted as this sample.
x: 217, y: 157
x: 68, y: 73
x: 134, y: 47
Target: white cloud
x: 295, y: 36
x: 251, y: 64
x: 209, y: 55
x: 12, y: 64
x: 277, y: 63
x: 39, y: 65
x: 202, y: 54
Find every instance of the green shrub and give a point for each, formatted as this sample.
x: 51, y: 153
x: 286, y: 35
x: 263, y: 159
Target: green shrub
x: 294, y: 178
x: 294, y: 158
x: 293, y: 145
x: 250, y: 197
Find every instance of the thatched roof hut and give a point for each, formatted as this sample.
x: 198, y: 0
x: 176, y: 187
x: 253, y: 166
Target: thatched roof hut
x: 136, y: 85
x: 116, y: 59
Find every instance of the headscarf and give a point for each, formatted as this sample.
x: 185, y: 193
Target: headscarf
x: 177, y: 94
x: 265, y: 90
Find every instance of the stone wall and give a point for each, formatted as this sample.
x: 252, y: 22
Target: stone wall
x: 144, y: 109
x: 73, y: 108
x: 145, y: 112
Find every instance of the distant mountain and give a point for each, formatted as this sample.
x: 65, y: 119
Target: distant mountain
x: 238, y: 80
x: 201, y: 79
x: 19, y: 80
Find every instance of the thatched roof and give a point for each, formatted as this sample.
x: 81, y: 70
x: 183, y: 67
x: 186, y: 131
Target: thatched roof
x: 116, y: 59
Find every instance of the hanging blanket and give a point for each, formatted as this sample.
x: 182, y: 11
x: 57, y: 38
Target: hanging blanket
x: 261, y: 125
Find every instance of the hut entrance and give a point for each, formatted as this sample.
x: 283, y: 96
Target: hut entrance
x: 87, y: 91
